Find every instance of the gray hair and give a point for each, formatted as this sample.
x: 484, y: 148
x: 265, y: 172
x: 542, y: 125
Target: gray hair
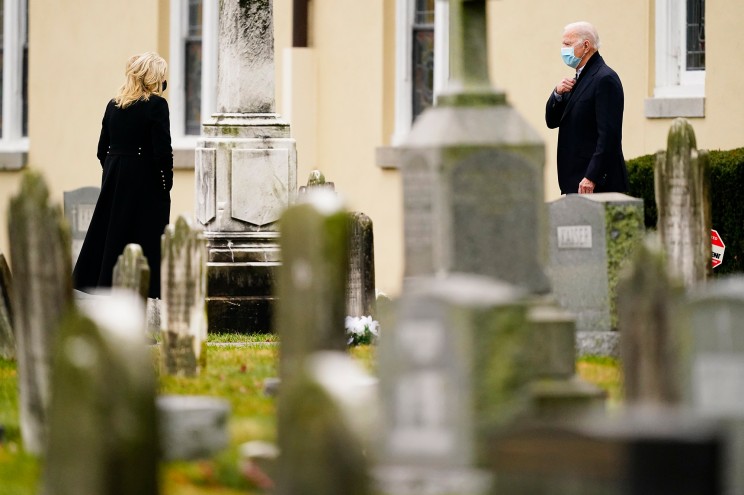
x: 585, y: 31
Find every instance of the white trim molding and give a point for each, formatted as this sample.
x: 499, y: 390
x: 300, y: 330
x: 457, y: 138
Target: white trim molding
x: 184, y: 145
x: 13, y: 144
x: 678, y: 92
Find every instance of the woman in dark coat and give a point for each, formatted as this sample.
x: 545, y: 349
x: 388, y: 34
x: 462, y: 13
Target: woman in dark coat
x: 135, y: 152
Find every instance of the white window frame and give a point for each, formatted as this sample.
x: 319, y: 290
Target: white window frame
x: 404, y: 65
x: 677, y: 92
x: 13, y: 145
x: 176, y: 83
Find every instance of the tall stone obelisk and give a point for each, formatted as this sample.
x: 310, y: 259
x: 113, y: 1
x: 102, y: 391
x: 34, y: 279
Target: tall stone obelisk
x: 472, y: 172
x: 245, y: 172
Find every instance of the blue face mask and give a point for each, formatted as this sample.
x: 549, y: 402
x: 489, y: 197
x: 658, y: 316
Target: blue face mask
x: 567, y: 53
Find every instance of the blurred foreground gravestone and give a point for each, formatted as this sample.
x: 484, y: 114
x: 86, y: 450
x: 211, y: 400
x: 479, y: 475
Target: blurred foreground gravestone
x: 557, y: 393
x: 454, y: 367
x: 312, y: 279
x: 683, y: 202
x: 132, y: 271
x: 472, y: 171
x: 591, y: 236
x: 183, y: 317
x: 715, y: 365
x: 7, y: 338
x: 103, y: 437
x: 40, y: 256
x: 652, y: 325
x: 79, y: 206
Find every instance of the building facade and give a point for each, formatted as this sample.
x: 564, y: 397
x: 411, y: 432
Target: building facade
x: 351, y: 76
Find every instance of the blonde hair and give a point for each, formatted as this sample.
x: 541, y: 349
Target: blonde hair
x: 145, y: 74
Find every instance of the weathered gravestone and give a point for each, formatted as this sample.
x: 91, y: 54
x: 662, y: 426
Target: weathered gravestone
x: 7, y: 338
x: 715, y: 365
x: 360, y: 288
x: 683, y: 202
x: 652, y: 326
x: 591, y: 236
x: 103, y: 436
x: 79, y: 206
x: 183, y: 318
x: 312, y: 280
x: 454, y: 367
x: 192, y: 426
x: 472, y: 171
x: 132, y: 271
x: 245, y: 171
x: 40, y: 257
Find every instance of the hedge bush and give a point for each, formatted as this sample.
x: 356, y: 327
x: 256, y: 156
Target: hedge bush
x: 727, y: 198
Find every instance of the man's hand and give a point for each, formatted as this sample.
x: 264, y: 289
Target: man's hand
x: 586, y: 186
x: 565, y: 86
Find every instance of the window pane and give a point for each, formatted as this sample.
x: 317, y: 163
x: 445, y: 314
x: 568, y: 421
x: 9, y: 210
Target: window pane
x: 423, y: 70
x: 695, y: 34
x: 424, y: 12
x: 193, y: 65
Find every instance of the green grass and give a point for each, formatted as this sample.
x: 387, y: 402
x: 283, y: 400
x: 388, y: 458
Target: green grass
x: 228, y: 338
x: 604, y: 372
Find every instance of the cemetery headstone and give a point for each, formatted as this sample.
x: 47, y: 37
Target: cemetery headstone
x: 245, y: 172
x: 316, y: 180
x: 557, y: 393
x: 319, y: 452
x: 79, y: 206
x: 7, y: 338
x: 454, y: 368
x: 183, y: 318
x: 40, y: 258
x: 360, y: 291
x: 312, y: 279
x: 591, y: 237
x: 132, y: 271
x: 472, y: 171
x: 683, y: 202
x: 192, y: 426
x: 715, y: 365
x: 103, y: 432
x: 652, y: 324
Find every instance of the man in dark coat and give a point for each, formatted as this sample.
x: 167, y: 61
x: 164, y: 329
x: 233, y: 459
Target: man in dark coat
x: 588, y: 109
x: 137, y: 160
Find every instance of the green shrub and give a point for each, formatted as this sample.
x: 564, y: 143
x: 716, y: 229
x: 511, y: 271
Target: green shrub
x: 727, y: 198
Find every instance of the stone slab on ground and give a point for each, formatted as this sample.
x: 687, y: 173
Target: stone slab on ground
x: 603, y: 344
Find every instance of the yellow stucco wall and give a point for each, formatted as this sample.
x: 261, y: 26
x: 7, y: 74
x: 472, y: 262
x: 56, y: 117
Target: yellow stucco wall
x: 78, y: 49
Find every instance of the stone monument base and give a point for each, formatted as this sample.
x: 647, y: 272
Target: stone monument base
x: 241, y: 272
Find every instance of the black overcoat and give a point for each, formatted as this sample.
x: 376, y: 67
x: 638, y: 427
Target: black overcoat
x: 134, y: 205
x: 590, y: 121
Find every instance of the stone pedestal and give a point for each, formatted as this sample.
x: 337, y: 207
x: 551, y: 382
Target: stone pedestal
x: 246, y: 166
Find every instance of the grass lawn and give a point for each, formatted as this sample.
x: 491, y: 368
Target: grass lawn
x: 235, y: 371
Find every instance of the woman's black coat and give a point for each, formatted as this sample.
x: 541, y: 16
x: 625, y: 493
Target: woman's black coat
x: 134, y: 206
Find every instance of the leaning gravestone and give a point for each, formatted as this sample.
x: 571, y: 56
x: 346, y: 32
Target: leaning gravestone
x: 183, y: 317
x: 103, y: 436
x: 360, y: 288
x: 454, y: 369
x: 79, y: 207
x: 7, y: 338
x: 591, y: 236
x: 683, y: 202
x: 472, y: 171
x: 40, y: 255
x: 652, y: 325
x: 132, y: 271
x: 311, y: 305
